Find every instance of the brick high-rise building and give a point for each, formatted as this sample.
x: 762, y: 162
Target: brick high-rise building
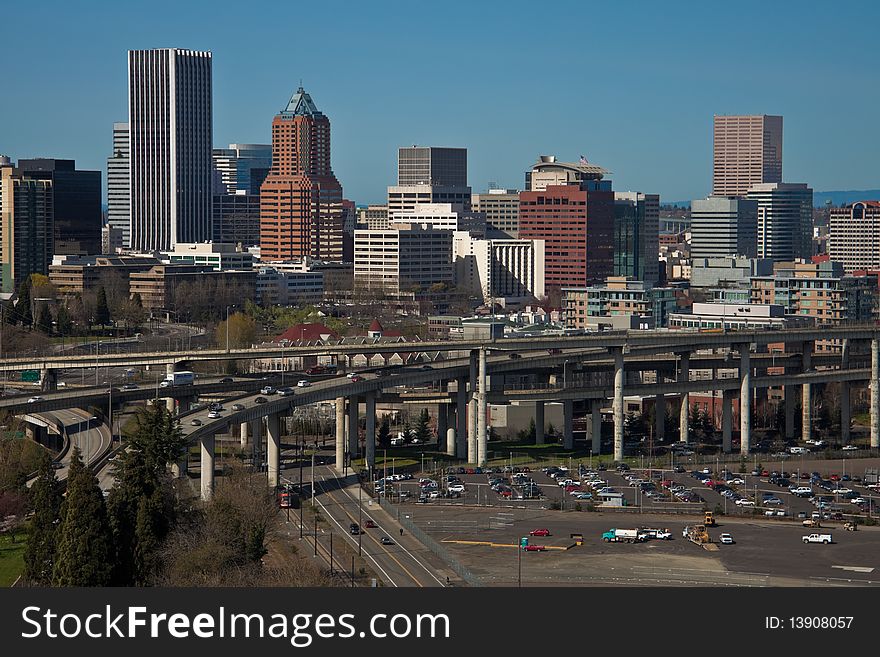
x: 748, y: 151
x: 575, y: 219
x: 301, y: 210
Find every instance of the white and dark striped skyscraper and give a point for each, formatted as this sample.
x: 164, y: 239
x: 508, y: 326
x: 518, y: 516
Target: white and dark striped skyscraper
x: 170, y: 134
x: 118, y: 192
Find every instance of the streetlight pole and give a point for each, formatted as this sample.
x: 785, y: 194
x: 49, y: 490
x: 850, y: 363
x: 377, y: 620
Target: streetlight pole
x: 360, y: 517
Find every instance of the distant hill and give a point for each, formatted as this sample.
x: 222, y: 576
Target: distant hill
x: 844, y: 197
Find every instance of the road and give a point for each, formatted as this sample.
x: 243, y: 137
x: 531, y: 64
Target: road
x: 92, y: 439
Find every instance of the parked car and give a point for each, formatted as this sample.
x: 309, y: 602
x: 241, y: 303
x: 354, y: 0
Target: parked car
x: 849, y: 448
x: 726, y: 539
x: 539, y: 532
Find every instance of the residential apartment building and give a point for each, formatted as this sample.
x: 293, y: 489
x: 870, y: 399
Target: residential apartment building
x: 722, y: 227
x: 403, y: 260
x: 636, y: 236
x: 747, y: 152
x: 731, y: 271
x: 619, y: 303
x: 501, y: 271
x: 854, y: 236
x: 170, y: 139
x: 785, y: 220
x: 119, y: 191
x: 301, y: 199
x: 500, y: 207
x: 26, y: 234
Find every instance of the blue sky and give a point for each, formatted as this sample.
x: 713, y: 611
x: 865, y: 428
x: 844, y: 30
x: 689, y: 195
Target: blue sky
x: 631, y: 85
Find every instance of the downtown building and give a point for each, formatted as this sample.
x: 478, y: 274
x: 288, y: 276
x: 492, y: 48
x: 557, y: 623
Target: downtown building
x: 428, y: 174
x: 618, y: 303
x: 637, y: 236
x: 854, y: 236
x: 747, y: 152
x: 239, y: 171
x: 571, y: 209
x: 170, y: 143
x: 301, y: 210
x: 119, y: 191
x: 499, y: 270
x: 724, y: 227
x: 785, y: 220
x: 500, y: 207
x: 25, y: 226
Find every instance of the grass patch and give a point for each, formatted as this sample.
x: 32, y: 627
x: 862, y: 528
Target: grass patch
x: 11, y: 558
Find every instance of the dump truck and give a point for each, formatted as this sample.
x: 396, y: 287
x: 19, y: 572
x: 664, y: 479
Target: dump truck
x: 623, y: 536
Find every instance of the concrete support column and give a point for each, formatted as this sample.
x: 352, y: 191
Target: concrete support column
x: 461, y: 419
x: 442, y: 419
x: 171, y: 405
x: 482, y: 409
x: 207, y: 467
x: 243, y: 434
x: 875, y: 393
x: 568, y: 424
x: 790, y: 404
x: 184, y: 404
x: 340, y: 433
x: 370, y: 434
x: 845, y: 410
x: 539, y: 423
x: 472, y: 410
x: 617, y: 405
x: 659, y: 417
x: 273, y: 448
x: 684, y: 374
x: 257, y: 440
x: 353, y: 426
x: 596, y: 425
x: 726, y: 420
x: 48, y: 379
x: 745, y: 400
x: 806, y: 395
x: 179, y: 469
x: 450, y: 430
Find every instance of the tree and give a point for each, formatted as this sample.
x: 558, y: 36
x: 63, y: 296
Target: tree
x: 44, y: 320
x: 141, y: 504
x: 46, y: 498
x: 242, y: 331
x: 23, y: 311
x: 84, y: 556
x: 422, y: 430
x: 65, y: 324
x: 384, y: 436
x: 102, y: 310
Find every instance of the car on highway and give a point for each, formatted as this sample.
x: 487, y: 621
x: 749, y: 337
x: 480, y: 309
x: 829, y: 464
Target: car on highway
x: 369, y: 524
x: 849, y: 448
x: 238, y: 407
x: 303, y: 383
x: 225, y: 379
x: 196, y: 422
x: 130, y: 386
x: 285, y: 392
x: 380, y: 373
x: 726, y: 539
x: 260, y: 400
x: 215, y: 406
x: 385, y: 540
x: 213, y: 415
x: 539, y: 532
x: 267, y: 390
x: 426, y: 367
x: 34, y: 399
x: 355, y: 378
x: 354, y: 529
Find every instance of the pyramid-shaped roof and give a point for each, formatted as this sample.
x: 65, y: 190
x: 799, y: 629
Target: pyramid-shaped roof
x: 301, y: 104
x: 375, y: 326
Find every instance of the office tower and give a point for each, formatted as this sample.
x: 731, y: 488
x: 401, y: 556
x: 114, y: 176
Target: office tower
x: 402, y: 261
x: 118, y: 191
x: 443, y: 216
x: 501, y: 209
x: 236, y: 219
x: 170, y: 134
x: 748, y: 151
x: 301, y: 199
x: 785, y: 220
x: 571, y: 208
x: 403, y: 199
x: 76, y: 204
x: 234, y: 167
x: 637, y: 236
x: 499, y: 270
x: 430, y: 165
x: 854, y: 236
x: 25, y: 226
x: 723, y: 226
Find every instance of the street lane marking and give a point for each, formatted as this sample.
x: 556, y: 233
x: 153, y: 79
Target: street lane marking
x: 855, y: 569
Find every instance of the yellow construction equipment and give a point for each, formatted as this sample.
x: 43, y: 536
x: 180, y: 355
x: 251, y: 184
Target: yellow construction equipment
x: 710, y: 519
x: 698, y: 535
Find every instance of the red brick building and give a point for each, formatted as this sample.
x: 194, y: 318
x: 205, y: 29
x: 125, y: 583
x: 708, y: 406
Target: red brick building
x: 576, y: 223
x: 301, y: 200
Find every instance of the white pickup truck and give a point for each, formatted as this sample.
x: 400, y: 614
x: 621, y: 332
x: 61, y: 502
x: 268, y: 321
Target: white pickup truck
x: 818, y: 538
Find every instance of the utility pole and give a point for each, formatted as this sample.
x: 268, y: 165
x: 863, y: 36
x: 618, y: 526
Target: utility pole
x: 316, y: 534
x: 313, y: 479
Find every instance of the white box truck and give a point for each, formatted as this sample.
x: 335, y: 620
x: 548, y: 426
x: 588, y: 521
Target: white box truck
x: 183, y: 378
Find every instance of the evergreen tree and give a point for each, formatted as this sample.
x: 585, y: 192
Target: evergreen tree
x: 422, y: 431
x: 136, y: 300
x: 531, y: 437
x: 23, y: 312
x: 44, y: 320
x: 63, y: 319
x: 102, y: 310
x: 384, y: 436
x: 84, y: 556
x: 141, y: 503
x: 46, y: 498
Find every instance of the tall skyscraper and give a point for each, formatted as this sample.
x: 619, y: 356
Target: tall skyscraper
x: 233, y: 167
x: 76, y: 204
x: 723, y: 226
x: 637, y: 236
x: 431, y: 165
x: 854, y: 236
x: 785, y: 220
x: 571, y: 208
x: 118, y: 190
x: 25, y: 226
x: 301, y: 199
x: 170, y: 135
x: 748, y: 151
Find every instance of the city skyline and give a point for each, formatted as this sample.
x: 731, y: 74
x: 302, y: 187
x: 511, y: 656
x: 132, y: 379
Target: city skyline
x: 661, y: 143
